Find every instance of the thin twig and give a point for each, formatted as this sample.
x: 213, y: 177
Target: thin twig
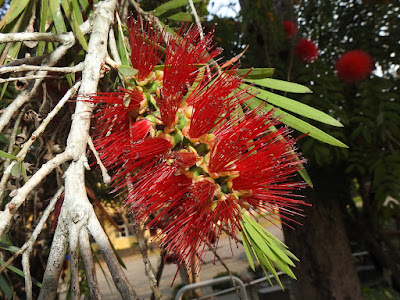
x: 147, y: 264
x: 227, y: 269
x: 22, y: 153
x: 25, y: 68
x: 37, y: 230
x: 106, y: 177
x: 113, y: 47
x: 196, y: 17
x: 29, y: 244
x: 30, y: 77
x: 21, y: 194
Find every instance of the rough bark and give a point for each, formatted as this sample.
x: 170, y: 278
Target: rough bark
x: 326, y: 269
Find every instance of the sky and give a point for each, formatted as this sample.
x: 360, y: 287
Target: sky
x: 224, y: 8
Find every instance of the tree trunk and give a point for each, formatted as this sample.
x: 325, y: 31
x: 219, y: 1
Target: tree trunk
x: 326, y: 269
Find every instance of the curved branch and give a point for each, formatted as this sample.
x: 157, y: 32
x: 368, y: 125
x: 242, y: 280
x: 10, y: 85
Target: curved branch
x: 12, y: 207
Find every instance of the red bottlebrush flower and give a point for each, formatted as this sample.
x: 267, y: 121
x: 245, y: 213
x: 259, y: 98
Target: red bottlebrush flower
x: 145, y: 48
x: 290, y: 28
x: 306, y: 50
x: 354, y: 65
x: 183, y: 56
x: 211, y: 104
x: 189, y: 164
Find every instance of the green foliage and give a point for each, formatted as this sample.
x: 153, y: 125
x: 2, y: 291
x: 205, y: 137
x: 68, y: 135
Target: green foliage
x: 269, y: 252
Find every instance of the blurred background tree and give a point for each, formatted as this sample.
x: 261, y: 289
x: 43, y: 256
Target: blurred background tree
x: 356, y: 190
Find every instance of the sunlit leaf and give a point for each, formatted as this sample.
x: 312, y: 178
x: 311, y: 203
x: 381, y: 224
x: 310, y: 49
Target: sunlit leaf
x: 247, y: 250
x: 162, y: 9
x: 300, y: 125
x: 16, y: 8
x: 181, y: 16
x: 127, y: 71
x: 6, y: 155
x: 294, y: 106
x: 57, y: 16
x: 280, y: 85
x: 256, y: 73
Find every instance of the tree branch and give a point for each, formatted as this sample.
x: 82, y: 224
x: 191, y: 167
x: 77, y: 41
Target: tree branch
x: 35, y: 36
x: 36, y: 232
x: 87, y: 259
x: 23, y: 192
x: 26, y: 68
x: 147, y: 264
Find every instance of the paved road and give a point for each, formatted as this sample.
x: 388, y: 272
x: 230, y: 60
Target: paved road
x: 135, y: 269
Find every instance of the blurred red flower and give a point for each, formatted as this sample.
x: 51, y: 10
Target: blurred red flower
x: 306, y: 50
x: 354, y: 65
x: 290, y: 28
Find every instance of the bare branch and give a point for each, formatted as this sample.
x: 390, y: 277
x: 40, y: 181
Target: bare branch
x: 113, y: 47
x: 31, y: 89
x: 106, y: 177
x: 121, y: 281
x: 26, y: 68
x: 87, y: 259
x: 74, y: 229
x: 22, y: 193
x: 147, y: 264
x: 28, y: 246
x: 35, y: 36
x: 196, y: 17
x: 30, y: 77
x: 37, y: 231
x: 55, y: 261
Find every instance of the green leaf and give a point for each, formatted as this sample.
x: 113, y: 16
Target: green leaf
x: 44, y: 7
x: 6, y: 155
x: 256, y: 73
x: 7, y: 247
x: 162, y: 9
x: 3, y: 90
x: 21, y: 273
x: 303, y: 173
x: 23, y: 171
x: 16, y: 8
x: 122, y: 51
x: 76, y: 20
x: 57, y: 16
x: 294, y: 106
x: 181, y: 17
x: 301, y: 125
x: 127, y: 71
x: 248, y: 251
x: 6, y: 287
x: 280, y: 85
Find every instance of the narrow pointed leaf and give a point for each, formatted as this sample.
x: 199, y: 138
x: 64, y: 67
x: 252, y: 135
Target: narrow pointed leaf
x: 57, y: 16
x: 304, y: 174
x: 6, y: 155
x: 256, y: 73
x: 16, y: 8
x: 181, y: 17
x: 247, y: 250
x: 21, y: 273
x: 280, y: 85
x: 162, y: 9
x: 295, y: 106
x: 44, y: 7
x: 301, y: 125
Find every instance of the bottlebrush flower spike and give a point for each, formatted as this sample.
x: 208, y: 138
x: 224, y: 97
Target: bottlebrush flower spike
x: 188, y: 161
x: 290, y: 28
x: 354, y: 65
x: 184, y: 55
x: 145, y: 47
x: 215, y: 102
x: 306, y: 50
